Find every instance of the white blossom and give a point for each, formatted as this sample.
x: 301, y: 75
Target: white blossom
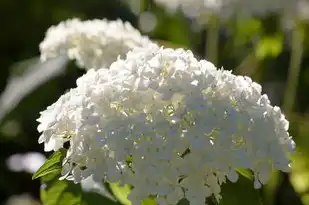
x: 92, y: 43
x: 225, y: 9
x: 29, y: 162
x: 171, y: 126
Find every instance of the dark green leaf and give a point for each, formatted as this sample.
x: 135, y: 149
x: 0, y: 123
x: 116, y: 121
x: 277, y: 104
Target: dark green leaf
x: 241, y: 192
x: 61, y: 193
x: 64, y: 192
x: 52, y: 164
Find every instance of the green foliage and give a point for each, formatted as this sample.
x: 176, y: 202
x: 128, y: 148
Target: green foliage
x: 241, y: 192
x: 245, y: 173
x: 167, y: 44
x: 300, y: 161
x: 121, y: 192
x: 64, y: 192
x: 245, y: 31
x: 149, y: 201
x: 269, y: 189
x: 269, y: 46
x: 300, y: 175
x: 51, y: 165
x: 168, y: 28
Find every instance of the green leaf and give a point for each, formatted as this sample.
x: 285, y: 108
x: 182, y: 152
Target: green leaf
x: 64, y: 192
x: 52, y: 164
x: 90, y: 198
x: 269, y: 46
x: 246, y: 173
x: 60, y: 193
x: 121, y: 192
x: 241, y: 192
x: 149, y: 201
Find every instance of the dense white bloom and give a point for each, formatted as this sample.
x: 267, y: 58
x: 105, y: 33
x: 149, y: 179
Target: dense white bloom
x: 93, y: 43
x: 169, y: 125
x: 224, y: 9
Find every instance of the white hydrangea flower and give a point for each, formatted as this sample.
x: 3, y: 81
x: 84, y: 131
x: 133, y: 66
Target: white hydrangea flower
x: 225, y: 9
x: 171, y: 126
x: 93, y: 43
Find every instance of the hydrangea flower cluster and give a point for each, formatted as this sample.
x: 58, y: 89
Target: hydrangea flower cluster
x: 224, y: 9
x: 93, y: 43
x: 169, y: 125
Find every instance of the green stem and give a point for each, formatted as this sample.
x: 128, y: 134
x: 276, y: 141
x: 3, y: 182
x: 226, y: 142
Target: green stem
x: 269, y: 189
x: 248, y: 66
x: 212, y: 40
x: 294, y: 69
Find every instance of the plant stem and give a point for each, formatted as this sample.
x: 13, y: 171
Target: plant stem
x: 248, y: 66
x: 269, y: 190
x: 294, y: 69
x: 212, y: 40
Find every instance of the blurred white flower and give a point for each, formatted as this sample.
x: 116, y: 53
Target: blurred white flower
x: 32, y: 161
x: 225, y: 9
x: 169, y: 125
x: 298, y: 11
x: 303, y: 9
x: 18, y: 87
x: 23, y: 199
x: 29, y: 162
x: 93, y: 43
x: 135, y: 5
x: 14, y: 163
x: 147, y: 21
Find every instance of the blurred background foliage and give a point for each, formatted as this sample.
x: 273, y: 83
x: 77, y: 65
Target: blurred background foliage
x: 256, y: 47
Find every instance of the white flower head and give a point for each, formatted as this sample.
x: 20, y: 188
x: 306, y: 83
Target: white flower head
x: 225, y: 9
x: 93, y: 43
x: 169, y: 125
